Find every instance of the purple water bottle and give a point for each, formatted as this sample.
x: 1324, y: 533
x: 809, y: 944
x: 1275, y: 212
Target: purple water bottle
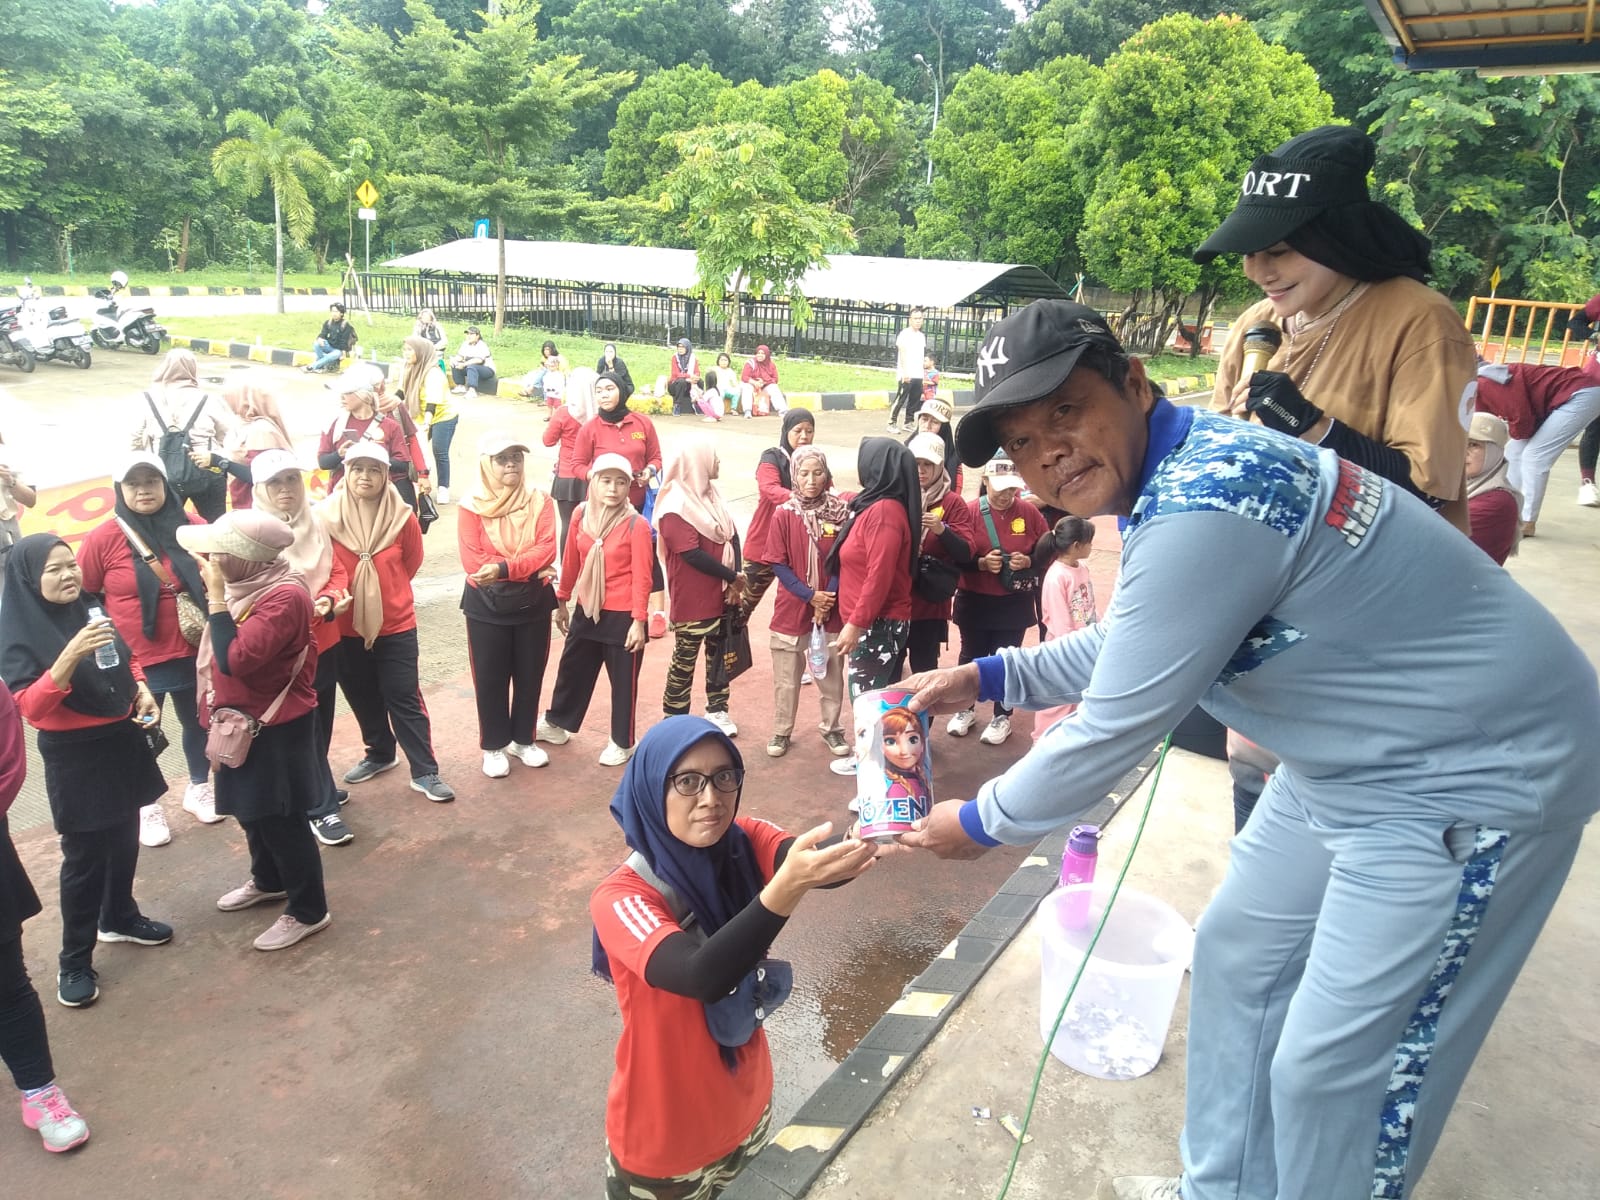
x: 1077, y: 866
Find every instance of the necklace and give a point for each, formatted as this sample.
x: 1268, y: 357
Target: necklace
x: 1332, y: 317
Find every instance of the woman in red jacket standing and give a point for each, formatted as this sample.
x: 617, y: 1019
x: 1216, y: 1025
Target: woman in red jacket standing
x: 699, y: 552
x: 141, y: 585
x: 994, y: 605
x: 875, y: 559
x: 280, y: 491
x: 799, y: 541
x: 947, y: 535
x: 98, y: 769
x: 773, y: 488
x: 567, y: 489
x: 606, y: 567
x: 258, y: 658
x: 378, y: 541
x: 506, y: 532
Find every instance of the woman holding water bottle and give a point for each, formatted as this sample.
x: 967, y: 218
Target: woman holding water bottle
x: 76, y: 682
x: 799, y: 539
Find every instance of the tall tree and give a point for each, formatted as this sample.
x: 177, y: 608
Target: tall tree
x: 781, y: 41
x: 1178, y: 114
x: 488, y: 107
x: 751, y: 231
x: 273, y: 155
x: 951, y: 36
x: 1091, y: 29
x: 640, y: 151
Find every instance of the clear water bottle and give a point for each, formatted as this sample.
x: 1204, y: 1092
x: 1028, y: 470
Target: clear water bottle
x: 817, y: 653
x: 106, y: 656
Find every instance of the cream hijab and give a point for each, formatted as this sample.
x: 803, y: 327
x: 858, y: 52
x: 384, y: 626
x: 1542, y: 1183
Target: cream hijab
x: 589, y: 589
x: 510, y: 516
x: 580, y: 394
x: 365, y: 527
x: 311, y: 553
x: 688, y: 491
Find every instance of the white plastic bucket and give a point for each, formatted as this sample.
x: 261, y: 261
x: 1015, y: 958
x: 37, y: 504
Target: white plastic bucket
x: 1122, y: 1009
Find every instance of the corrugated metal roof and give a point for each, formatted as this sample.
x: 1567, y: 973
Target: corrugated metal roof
x: 1494, y: 36
x: 933, y: 283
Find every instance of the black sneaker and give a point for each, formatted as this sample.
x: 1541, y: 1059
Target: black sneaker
x: 342, y: 796
x: 331, y: 830
x: 433, y: 788
x: 367, y: 768
x: 77, y: 988
x: 141, y: 931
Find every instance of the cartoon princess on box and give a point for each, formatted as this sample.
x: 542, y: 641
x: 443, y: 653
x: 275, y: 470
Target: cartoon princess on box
x: 895, y: 784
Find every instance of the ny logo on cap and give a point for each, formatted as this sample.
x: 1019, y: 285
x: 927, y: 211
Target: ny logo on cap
x: 990, y: 359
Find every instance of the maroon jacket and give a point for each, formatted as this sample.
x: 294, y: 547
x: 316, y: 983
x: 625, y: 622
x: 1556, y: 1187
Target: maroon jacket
x: 1494, y: 523
x: 262, y: 657
x: 874, y: 566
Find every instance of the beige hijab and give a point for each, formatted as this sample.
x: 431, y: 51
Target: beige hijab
x: 424, y: 358
x: 589, y: 589
x: 510, y: 516
x: 312, y: 550
x: 688, y: 491
x: 365, y: 527
x: 261, y: 424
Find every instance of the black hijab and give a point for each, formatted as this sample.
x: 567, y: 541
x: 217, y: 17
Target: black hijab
x: 1367, y: 241
x: 159, y: 531
x: 616, y: 367
x: 613, y: 416
x: 778, y: 456
x: 887, y: 471
x: 33, y: 632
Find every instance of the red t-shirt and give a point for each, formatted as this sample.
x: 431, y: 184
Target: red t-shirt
x: 1019, y: 528
x: 628, y: 553
x: 1494, y: 522
x: 875, y: 566
x: 563, y: 428
x: 958, y: 516
x: 786, y: 544
x: 770, y: 494
x: 1532, y: 394
x: 673, y: 1107
x: 633, y: 437
x: 107, y: 562
x: 348, y: 430
x: 692, y: 595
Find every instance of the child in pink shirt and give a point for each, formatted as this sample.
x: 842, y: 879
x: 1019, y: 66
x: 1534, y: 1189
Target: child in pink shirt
x: 1066, y: 598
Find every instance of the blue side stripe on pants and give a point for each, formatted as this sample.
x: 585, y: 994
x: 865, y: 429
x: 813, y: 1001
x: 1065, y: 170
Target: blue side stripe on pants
x: 1415, y: 1051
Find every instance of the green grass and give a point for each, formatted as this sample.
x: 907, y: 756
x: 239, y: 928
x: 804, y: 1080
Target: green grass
x: 205, y: 277
x: 516, y: 351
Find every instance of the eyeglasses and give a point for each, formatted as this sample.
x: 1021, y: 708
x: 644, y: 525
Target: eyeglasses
x: 692, y: 783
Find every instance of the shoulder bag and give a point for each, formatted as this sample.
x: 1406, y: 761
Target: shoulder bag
x: 232, y: 730
x: 1012, y: 581
x: 191, y: 617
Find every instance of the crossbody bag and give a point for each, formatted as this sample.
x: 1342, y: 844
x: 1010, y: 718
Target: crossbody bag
x: 191, y: 617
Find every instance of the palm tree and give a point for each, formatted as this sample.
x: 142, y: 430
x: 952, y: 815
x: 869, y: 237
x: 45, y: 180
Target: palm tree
x: 276, y: 155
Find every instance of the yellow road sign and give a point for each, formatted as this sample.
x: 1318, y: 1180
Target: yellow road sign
x: 1494, y: 280
x: 367, y: 194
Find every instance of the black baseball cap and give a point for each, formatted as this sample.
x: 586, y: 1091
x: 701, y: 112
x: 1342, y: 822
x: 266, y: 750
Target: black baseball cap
x: 1024, y: 358
x: 1310, y: 173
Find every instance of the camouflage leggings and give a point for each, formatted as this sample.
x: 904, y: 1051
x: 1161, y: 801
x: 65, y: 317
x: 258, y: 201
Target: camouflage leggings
x: 705, y: 1184
x: 688, y: 637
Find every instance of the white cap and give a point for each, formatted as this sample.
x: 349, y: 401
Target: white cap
x: 1486, y: 427
x: 937, y: 407
x: 927, y: 447
x: 357, y: 377
x: 273, y: 462
x: 1002, y: 474
x: 370, y: 450
x: 140, y: 458
x: 611, y: 462
x: 491, y: 444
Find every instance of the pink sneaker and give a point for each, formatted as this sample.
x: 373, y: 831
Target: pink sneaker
x: 657, y: 625
x: 58, y: 1124
x: 286, y: 932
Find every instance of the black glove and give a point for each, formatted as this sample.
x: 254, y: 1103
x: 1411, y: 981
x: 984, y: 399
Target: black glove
x: 1279, y: 404
x: 1579, y: 327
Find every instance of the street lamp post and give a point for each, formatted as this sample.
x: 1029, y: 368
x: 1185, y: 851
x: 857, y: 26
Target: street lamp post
x: 917, y: 58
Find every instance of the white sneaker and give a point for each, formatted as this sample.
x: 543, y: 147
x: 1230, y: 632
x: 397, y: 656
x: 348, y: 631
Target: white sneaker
x: 553, y: 734
x: 531, y: 756
x: 961, y: 724
x: 854, y: 805
x: 1141, y: 1187
x: 441, y: 495
x: 614, y: 755
x: 1588, y: 495
x: 997, y: 731
x: 723, y: 722
x: 805, y: 679
x: 843, y: 766
x: 153, y: 829
x: 201, y: 802
x: 495, y: 765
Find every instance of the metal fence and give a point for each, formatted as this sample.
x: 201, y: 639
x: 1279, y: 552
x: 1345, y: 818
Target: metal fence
x: 840, y: 331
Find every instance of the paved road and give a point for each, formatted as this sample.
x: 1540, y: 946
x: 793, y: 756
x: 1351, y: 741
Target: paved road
x: 444, y: 1034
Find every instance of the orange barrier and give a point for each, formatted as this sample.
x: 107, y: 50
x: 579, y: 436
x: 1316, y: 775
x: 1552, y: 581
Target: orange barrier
x: 1524, y: 331
x: 72, y: 510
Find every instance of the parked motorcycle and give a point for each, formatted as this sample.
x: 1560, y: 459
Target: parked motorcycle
x: 15, y: 350
x: 116, y: 324
x: 53, y: 336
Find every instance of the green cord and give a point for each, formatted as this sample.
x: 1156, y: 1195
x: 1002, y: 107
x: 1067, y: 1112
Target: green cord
x: 1044, y: 1057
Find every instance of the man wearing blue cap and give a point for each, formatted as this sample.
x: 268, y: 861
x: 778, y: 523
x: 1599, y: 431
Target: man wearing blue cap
x: 1385, y: 892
